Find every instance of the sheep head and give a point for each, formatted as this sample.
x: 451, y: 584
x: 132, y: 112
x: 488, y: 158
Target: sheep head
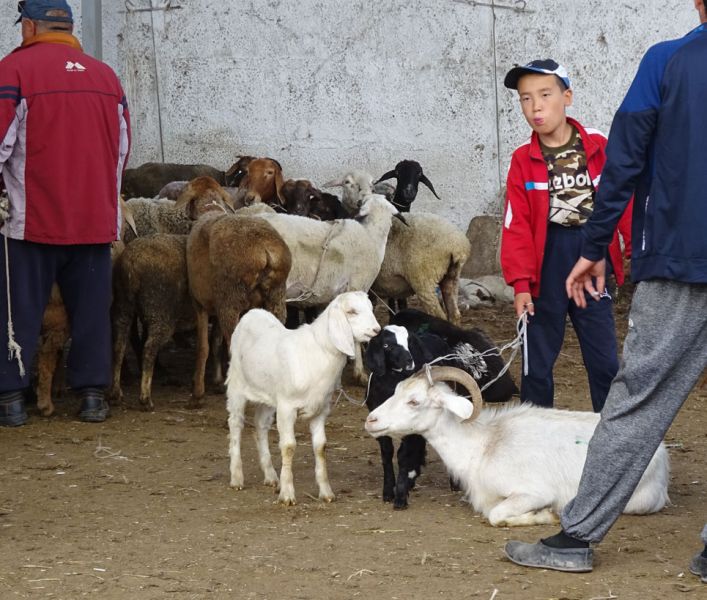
x: 409, y: 175
x: 263, y: 182
x: 421, y: 400
x: 356, y: 186
x: 203, y: 194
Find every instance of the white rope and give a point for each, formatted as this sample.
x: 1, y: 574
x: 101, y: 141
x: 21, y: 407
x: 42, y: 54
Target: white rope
x: 390, y: 310
x: 342, y: 392
x: 14, y: 350
x: 514, y: 345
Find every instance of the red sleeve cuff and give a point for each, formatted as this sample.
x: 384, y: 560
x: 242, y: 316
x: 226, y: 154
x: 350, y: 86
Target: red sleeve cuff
x: 521, y: 286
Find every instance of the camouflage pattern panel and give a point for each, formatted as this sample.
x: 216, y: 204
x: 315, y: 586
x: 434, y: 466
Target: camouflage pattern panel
x: 569, y: 183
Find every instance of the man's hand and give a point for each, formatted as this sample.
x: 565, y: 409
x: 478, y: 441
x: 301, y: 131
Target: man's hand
x: 580, y: 280
x: 524, y: 301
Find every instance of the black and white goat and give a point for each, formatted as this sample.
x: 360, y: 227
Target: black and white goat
x: 394, y: 355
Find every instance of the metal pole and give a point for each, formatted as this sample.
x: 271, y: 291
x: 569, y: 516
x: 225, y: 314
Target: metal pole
x: 92, y: 27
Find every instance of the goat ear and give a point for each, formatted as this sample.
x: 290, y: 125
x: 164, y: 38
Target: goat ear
x: 340, y: 330
x: 457, y: 405
x: 375, y: 358
x: 428, y: 183
x: 389, y: 175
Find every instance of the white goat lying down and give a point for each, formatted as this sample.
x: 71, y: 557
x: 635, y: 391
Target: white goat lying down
x: 292, y: 373
x: 517, y: 465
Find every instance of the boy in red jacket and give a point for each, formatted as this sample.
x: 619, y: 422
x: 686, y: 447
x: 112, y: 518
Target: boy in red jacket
x: 550, y: 194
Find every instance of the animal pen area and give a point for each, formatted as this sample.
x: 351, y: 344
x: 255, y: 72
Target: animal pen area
x: 140, y: 506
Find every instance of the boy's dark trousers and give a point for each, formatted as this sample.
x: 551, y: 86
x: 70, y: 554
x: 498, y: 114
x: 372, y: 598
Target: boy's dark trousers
x: 593, y: 325
x: 83, y: 273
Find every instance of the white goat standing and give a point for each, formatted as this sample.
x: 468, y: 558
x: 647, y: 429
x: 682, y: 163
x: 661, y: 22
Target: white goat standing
x: 291, y: 373
x: 517, y: 465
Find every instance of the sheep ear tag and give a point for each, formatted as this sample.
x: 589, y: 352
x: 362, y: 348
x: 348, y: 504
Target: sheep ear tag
x: 457, y: 405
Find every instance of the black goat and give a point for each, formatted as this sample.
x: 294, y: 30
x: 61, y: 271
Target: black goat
x: 486, y: 368
x: 409, y: 175
x: 393, y: 356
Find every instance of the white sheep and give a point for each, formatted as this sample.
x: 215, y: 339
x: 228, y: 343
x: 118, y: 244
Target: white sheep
x: 331, y: 257
x: 517, y: 465
x: 429, y: 253
x: 292, y: 373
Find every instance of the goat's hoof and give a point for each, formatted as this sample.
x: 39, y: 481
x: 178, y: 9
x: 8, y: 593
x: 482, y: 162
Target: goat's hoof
x: 388, y: 497
x: 273, y: 483
x: 400, y: 505
x: 147, y: 406
x: 327, y: 498
x: 287, y: 501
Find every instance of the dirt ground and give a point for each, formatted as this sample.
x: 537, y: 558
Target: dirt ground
x: 140, y: 507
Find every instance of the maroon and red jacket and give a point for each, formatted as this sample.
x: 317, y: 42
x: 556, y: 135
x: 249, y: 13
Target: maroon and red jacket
x: 64, y: 141
x: 528, y: 207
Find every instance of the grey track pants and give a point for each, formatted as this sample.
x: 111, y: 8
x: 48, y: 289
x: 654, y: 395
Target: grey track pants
x: 665, y: 352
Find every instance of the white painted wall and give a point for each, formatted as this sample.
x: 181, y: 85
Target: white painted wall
x: 326, y: 84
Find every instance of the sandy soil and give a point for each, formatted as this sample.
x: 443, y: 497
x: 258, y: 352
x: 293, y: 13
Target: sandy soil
x: 140, y: 507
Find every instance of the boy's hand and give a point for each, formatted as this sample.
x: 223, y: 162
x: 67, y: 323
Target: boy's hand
x: 524, y: 301
x: 580, y: 279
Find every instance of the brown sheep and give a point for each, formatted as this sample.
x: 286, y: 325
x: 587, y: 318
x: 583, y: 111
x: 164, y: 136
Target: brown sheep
x: 263, y: 182
x: 149, y: 178
x: 149, y: 215
x: 234, y: 263
x: 150, y: 283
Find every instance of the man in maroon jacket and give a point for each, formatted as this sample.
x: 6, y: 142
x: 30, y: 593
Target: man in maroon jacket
x: 64, y: 140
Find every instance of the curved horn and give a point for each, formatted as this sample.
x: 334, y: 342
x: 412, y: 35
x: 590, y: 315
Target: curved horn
x: 428, y: 183
x: 462, y: 378
x: 388, y: 175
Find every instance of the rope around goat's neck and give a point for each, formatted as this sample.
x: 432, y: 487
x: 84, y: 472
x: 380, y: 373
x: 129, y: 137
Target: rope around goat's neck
x: 14, y: 350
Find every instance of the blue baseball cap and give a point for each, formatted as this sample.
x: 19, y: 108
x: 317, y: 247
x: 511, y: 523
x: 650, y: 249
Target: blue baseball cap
x: 543, y: 67
x: 37, y: 10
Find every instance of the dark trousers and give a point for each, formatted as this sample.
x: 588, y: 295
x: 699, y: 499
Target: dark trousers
x: 594, y: 326
x: 83, y: 273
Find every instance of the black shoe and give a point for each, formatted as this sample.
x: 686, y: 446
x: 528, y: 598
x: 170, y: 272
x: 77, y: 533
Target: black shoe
x: 12, y: 409
x: 573, y: 560
x: 94, y: 408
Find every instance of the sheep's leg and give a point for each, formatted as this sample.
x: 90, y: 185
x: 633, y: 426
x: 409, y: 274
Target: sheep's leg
x: 156, y: 338
x: 386, y: 445
x: 359, y: 373
x: 522, y: 509
x: 122, y: 326
x: 202, y: 353
x: 449, y: 286
x: 316, y: 428
x: 286, y: 417
x: 236, y: 417
x: 428, y: 298
x: 411, y: 458
x: 216, y: 346
x: 264, y: 416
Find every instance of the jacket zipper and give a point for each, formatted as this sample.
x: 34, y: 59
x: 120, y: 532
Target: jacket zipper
x: 645, y: 220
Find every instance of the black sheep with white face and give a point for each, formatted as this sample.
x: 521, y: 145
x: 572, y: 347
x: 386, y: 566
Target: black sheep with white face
x: 409, y: 175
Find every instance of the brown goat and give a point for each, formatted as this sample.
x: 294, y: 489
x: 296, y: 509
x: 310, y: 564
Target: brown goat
x: 303, y: 199
x: 263, y: 182
x: 234, y: 263
x: 149, y: 178
x: 238, y: 171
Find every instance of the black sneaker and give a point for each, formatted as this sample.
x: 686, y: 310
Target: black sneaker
x: 12, y: 409
x: 94, y: 408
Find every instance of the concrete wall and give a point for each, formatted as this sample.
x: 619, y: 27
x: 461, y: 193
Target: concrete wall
x: 322, y: 85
